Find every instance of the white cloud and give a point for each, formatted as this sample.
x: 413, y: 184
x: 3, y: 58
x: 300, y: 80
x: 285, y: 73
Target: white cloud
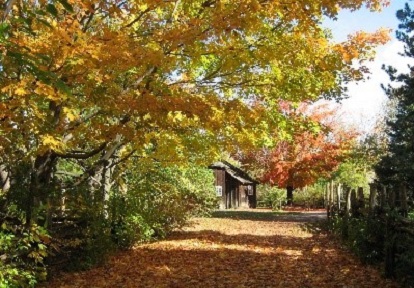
x: 367, y: 98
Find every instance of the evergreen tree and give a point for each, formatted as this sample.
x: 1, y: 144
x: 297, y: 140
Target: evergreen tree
x: 398, y: 164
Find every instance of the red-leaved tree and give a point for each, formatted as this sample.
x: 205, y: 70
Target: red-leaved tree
x: 315, y: 149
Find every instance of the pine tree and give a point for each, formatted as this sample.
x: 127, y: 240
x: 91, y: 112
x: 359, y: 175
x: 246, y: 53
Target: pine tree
x: 398, y: 164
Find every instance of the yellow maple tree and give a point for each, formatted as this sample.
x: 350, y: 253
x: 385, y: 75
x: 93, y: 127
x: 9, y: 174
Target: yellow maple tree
x: 162, y: 80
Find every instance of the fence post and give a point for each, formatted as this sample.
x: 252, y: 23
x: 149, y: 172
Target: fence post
x: 348, y: 201
x: 372, y: 196
x: 328, y: 212
x: 347, y: 211
x: 338, y: 195
x: 361, y: 200
x: 354, y: 203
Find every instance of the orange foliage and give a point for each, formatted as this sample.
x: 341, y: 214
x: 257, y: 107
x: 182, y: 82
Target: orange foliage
x: 315, y: 150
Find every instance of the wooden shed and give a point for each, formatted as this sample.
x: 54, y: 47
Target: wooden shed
x: 235, y: 187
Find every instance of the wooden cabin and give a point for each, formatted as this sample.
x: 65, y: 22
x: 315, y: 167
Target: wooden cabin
x: 235, y: 187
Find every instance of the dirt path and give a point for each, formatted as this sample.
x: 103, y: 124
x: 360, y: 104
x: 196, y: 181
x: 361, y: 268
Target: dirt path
x: 235, y: 249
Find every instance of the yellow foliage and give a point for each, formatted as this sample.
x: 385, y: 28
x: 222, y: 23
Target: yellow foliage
x: 49, y: 142
x: 170, y: 77
x: 20, y: 91
x: 70, y: 114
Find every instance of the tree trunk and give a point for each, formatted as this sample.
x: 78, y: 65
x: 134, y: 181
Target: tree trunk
x: 106, y: 186
x: 4, y: 178
x: 40, y: 185
x: 289, y: 195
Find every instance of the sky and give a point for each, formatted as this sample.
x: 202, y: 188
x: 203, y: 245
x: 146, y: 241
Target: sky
x: 367, y: 98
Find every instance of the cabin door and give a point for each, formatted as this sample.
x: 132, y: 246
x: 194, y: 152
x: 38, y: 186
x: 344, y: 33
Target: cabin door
x: 238, y: 197
x: 233, y: 197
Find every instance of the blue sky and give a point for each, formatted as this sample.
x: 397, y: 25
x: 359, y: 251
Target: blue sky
x: 364, y: 19
x: 367, y: 98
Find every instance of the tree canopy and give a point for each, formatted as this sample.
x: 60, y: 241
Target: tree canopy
x: 160, y: 76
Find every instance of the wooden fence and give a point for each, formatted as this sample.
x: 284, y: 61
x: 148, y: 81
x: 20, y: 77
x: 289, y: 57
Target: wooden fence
x: 387, y: 204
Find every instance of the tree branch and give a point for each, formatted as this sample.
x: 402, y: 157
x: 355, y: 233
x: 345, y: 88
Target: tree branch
x: 138, y: 18
x: 85, y: 155
x: 7, y: 6
x: 123, y: 159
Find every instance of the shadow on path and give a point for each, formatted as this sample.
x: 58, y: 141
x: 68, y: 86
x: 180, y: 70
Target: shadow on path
x: 269, y: 215
x: 235, y: 249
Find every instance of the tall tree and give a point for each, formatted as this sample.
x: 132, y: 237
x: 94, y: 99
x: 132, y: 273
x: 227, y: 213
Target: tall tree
x: 100, y: 81
x: 397, y: 165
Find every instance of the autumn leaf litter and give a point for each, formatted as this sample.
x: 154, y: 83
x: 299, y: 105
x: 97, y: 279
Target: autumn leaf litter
x: 274, y: 251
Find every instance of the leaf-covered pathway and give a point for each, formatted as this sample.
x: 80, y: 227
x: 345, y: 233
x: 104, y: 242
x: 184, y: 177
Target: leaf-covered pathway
x: 235, y: 249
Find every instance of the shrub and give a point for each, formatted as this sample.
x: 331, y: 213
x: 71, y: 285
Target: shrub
x: 404, y: 261
x: 310, y: 196
x: 367, y: 238
x: 160, y: 200
x: 364, y: 236
x: 22, y: 251
x: 271, y: 196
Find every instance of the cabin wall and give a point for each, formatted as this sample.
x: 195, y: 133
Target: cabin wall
x: 220, y: 181
x: 233, y: 193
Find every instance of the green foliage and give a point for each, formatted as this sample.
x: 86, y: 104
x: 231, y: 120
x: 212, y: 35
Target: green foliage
x: 22, y: 251
x: 161, y: 199
x: 134, y: 228
x: 411, y: 215
x: 310, y: 196
x: 364, y: 236
x: 147, y: 202
x: 271, y: 196
x: 351, y: 174
x: 370, y: 236
x: 405, y: 259
x: 357, y: 169
x: 94, y: 245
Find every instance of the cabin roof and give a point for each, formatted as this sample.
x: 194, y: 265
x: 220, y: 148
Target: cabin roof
x: 234, y: 172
